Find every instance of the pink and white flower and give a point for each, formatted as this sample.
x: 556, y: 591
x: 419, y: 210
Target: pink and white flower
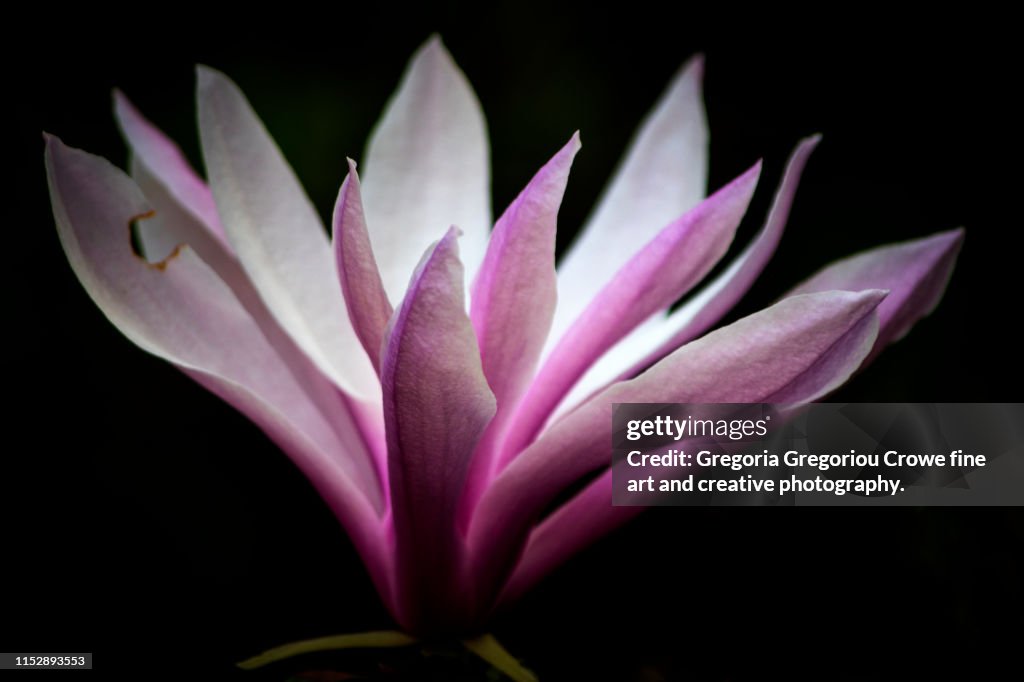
x: 432, y: 374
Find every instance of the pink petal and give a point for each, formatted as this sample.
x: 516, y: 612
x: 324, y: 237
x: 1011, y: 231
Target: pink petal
x: 157, y: 237
x: 164, y: 163
x: 436, y: 406
x: 513, y: 301
x: 719, y: 296
x: 587, y: 517
x: 650, y: 342
x: 368, y: 305
x: 915, y: 273
x: 181, y: 311
x: 277, y: 234
x: 185, y: 211
x: 173, y: 225
x: 659, y: 274
x: 514, y: 294
x: 427, y: 167
x: 663, y: 175
x: 792, y: 352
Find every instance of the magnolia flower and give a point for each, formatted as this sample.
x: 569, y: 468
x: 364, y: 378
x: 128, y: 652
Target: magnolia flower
x: 434, y: 378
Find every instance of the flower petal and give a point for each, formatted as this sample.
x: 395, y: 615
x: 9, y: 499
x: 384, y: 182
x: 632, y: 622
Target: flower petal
x: 915, y: 272
x: 587, y: 517
x: 367, y: 302
x: 436, y: 406
x: 663, y: 175
x: 159, y: 235
x: 513, y: 302
x: 277, y: 234
x: 166, y: 165
x: 184, y: 206
x: 650, y: 342
x: 794, y: 351
x: 173, y: 225
x: 427, y: 167
x: 181, y: 311
x: 718, y: 297
x: 515, y: 292
x: 676, y: 259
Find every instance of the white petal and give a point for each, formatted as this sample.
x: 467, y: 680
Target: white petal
x: 661, y: 334
x: 166, y: 165
x: 663, y: 175
x: 180, y: 310
x: 277, y: 234
x: 427, y: 167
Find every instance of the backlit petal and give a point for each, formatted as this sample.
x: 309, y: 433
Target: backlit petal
x: 515, y: 292
x: 513, y: 301
x: 181, y: 311
x: 436, y: 406
x: 167, y: 165
x: 795, y: 351
x: 277, y: 234
x: 654, y: 340
x: 663, y: 175
x: 915, y: 272
x: 367, y: 302
x: 427, y: 166
x: 675, y: 260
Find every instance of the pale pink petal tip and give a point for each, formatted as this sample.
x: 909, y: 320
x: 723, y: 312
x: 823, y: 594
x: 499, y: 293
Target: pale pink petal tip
x: 916, y: 273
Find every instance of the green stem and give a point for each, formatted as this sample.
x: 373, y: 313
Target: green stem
x: 487, y: 648
x: 363, y: 640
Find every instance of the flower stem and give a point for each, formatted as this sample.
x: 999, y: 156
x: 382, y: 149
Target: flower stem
x: 487, y: 648
x: 364, y: 640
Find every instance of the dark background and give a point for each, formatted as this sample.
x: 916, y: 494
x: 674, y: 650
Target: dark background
x: 147, y: 522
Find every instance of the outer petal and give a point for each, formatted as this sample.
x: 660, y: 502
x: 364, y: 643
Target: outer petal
x: 436, y: 406
x: 515, y: 292
x: 575, y: 525
x: 368, y: 305
x: 185, y: 210
x: 659, y: 274
x: 663, y: 175
x: 166, y: 165
x: 795, y: 351
x: 427, y: 166
x: 718, y: 297
x: 650, y: 342
x: 277, y: 234
x: 513, y: 302
x: 174, y: 224
x: 181, y: 311
x: 915, y: 272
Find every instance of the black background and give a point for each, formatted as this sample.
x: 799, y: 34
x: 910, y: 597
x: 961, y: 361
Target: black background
x: 147, y: 522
